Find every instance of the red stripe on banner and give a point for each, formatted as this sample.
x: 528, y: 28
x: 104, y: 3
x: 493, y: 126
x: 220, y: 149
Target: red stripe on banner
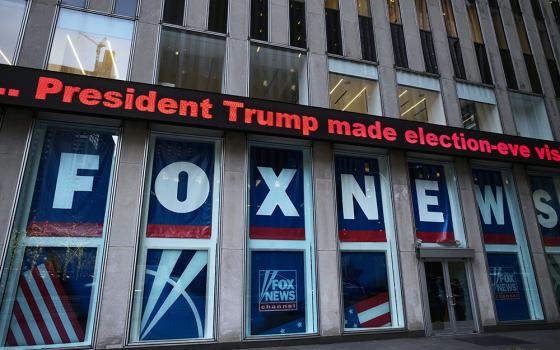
x: 35, y: 311
x: 23, y: 325
x: 293, y: 234
x: 64, y: 299
x: 178, y: 231
x: 435, y: 237
x: 362, y: 235
x: 499, y: 238
x: 378, y: 321
x: 50, y: 306
x: 64, y: 229
x: 372, y: 302
x: 551, y: 241
x: 11, y: 339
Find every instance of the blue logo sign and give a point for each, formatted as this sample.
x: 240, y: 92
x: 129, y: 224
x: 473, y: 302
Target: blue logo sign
x: 278, y: 290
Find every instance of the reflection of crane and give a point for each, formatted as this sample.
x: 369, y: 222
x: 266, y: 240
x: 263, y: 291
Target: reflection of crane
x: 101, y: 66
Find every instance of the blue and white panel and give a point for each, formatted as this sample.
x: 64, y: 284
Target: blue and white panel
x: 181, y: 190
x: 430, y: 199
x: 276, y: 194
x: 365, y: 290
x: 174, y: 294
x: 508, y: 287
x: 71, y: 186
x: 497, y: 226
x: 277, y: 293
x: 358, y: 192
x: 547, y: 205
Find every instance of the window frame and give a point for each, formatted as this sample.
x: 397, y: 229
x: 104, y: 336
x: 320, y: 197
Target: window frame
x: 23, y: 202
x: 210, y: 245
x: 389, y: 248
x: 307, y: 246
x: 22, y: 28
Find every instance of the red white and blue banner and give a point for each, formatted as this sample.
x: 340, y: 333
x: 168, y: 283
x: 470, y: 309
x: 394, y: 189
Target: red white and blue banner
x: 72, y: 182
x: 181, y: 190
x: 508, y: 287
x: 358, y: 191
x: 493, y: 207
x: 430, y: 199
x: 276, y: 194
x: 547, y: 205
x: 53, y: 297
x: 174, y: 295
x: 365, y: 290
x: 277, y: 292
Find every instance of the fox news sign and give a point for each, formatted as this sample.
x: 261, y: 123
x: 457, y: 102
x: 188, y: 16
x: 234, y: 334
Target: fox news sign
x: 278, y: 290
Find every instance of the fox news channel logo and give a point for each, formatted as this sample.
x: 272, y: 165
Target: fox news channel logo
x: 505, y: 283
x: 278, y: 290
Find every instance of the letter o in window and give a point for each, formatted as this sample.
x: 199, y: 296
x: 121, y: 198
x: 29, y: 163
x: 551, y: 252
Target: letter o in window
x: 167, y: 186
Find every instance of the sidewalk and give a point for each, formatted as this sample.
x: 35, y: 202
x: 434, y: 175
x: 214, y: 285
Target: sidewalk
x: 524, y: 340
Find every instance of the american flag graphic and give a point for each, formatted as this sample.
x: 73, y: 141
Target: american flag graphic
x: 369, y: 313
x: 42, y: 312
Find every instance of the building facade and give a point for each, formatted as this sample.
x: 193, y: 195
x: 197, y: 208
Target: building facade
x: 126, y: 221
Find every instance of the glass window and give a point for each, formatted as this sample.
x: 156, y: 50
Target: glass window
x: 530, y: 116
x: 11, y: 20
x: 421, y: 105
x: 505, y: 56
x: 370, y: 278
x: 556, y: 10
x: 437, y: 210
x: 191, y: 61
x: 174, y: 11
x: 281, y: 298
x: 449, y: 18
x: 554, y: 268
x: 217, y: 17
x: 175, y: 273
x: 480, y: 116
x: 510, y: 268
x: 547, y: 47
x: 334, y: 34
x: 278, y: 74
x: 53, y: 266
x: 474, y: 22
x: 366, y: 30
x: 352, y: 94
x: 79, y: 3
x: 297, y: 24
x: 394, y: 11
x: 259, y: 19
x: 90, y: 44
x: 422, y: 15
x: 126, y: 7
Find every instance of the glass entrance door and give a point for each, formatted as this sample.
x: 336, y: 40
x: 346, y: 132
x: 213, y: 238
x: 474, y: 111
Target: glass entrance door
x: 449, y: 299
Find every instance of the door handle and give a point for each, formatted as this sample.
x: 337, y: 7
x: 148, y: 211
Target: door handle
x: 451, y: 299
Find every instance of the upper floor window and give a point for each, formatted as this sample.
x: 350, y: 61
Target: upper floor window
x: 174, y: 11
x: 259, y: 19
x: 547, y: 47
x: 526, y: 47
x: 479, y: 47
x: 332, y: 21
x: 217, y: 16
x: 397, y: 33
x: 426, y: 38
x: 91, y: 44
x: 366, y: 30
x: 120, y: 7
x: 505, y: 56
x: 531, y: 119
x: 453, y: 39
x: 11, y: 20
x: 191, y: 61
x: 278, y: 74
x: 556, y: 10
x: 298, y: 36
x: 478, y: 108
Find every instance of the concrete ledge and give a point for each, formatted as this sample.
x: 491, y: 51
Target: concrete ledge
x: 291, y: 341
x: 525, y: 326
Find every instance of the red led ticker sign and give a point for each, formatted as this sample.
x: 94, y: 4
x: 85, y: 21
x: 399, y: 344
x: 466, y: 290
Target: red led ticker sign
x: 44, y: 90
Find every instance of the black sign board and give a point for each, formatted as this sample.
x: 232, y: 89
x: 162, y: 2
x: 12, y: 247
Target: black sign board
x: 45, y: 90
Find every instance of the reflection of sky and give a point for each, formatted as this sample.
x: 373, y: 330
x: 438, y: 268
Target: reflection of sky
x: 87, y: 32
x: 11, y: 15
